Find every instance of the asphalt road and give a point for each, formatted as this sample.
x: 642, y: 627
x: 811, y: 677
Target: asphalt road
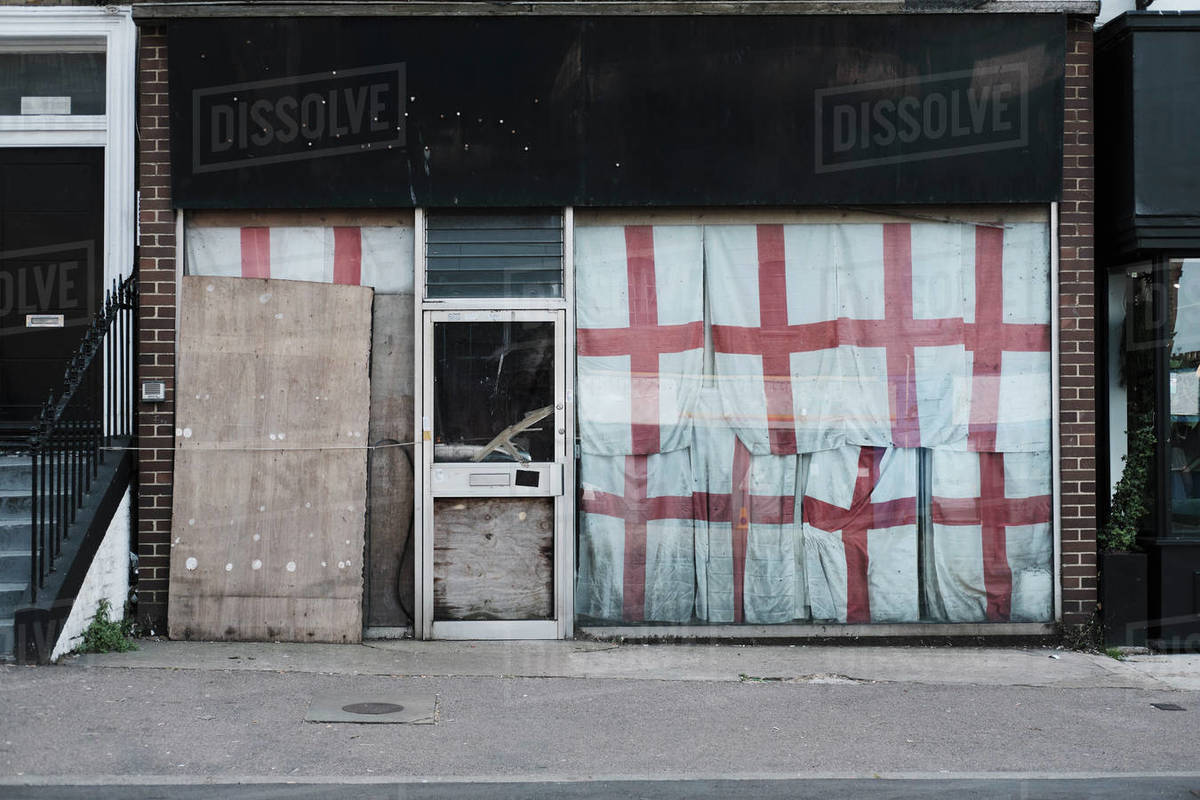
x: 183, y: 724
x: 1097, y: 788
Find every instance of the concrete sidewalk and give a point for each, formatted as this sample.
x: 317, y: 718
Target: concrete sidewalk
x: 969, y: 666
x: 187, y: 712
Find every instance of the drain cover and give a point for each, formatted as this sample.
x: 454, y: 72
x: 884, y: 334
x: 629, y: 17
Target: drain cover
x: 1167, y: 707
x: 373, y: 708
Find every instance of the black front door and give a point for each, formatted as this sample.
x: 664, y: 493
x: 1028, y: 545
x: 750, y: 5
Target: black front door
x: 51, y: 263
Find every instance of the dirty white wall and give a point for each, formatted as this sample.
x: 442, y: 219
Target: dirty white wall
x: 1114, y: 8
x: 107, y: 578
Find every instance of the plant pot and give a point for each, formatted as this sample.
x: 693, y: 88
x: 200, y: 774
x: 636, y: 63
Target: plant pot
x: 1123, y: 598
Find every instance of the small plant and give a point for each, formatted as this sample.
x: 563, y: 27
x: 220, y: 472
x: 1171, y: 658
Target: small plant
x: 1130, y: 503
x: 104, y: 635
x: 1114, y: 652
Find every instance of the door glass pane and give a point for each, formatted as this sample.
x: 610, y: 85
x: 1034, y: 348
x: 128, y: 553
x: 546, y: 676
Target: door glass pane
x: 51, y: 83
x: 493, y: 391
x: 1184, y: 383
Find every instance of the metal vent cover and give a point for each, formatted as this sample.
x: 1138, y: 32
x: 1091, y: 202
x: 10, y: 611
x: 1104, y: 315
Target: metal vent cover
x: 478, y: 254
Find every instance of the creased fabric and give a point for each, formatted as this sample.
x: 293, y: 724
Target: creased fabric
x: 990, y: 548
x: 745, y: 527
x: 640, y: 337
x: 376, y: 256
x: 888, y: 335
x: 860, y: 535
x: 636, y: 548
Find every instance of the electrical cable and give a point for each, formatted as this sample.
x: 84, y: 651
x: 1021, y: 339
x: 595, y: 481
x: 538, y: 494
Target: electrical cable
x: 408, y: 537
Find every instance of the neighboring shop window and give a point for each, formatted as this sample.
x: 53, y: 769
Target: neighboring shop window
x: 1184, y: 387
x: 841, y: 422
x: 361, y: 249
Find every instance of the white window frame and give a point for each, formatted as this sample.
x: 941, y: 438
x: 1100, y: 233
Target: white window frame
x: 107, y: 29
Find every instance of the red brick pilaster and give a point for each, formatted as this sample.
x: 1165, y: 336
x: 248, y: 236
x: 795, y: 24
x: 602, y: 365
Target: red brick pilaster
x: 1077, y: 333
x: 156, y: 327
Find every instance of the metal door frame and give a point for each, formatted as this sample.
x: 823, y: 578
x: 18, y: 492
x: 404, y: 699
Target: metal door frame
x: 561, y: 312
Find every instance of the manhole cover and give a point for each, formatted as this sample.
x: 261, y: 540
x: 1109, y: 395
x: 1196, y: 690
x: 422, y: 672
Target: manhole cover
x: 372, y: 708
x: 365, y: 708
x: 1167, y: 707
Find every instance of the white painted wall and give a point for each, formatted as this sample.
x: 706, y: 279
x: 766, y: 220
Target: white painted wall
x: 1114, y: 8
x: 107, y: 577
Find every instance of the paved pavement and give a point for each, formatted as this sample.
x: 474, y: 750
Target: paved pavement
x: 530, y: 713
x: 949, y: 666
x: 1104, y: 787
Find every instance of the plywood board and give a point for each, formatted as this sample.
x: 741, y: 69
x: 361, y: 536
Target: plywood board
x: 390, y: 595
x: 493, y: 558
x: 269, y: 500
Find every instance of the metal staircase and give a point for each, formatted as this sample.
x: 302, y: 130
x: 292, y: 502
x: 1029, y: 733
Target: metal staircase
x: 15, y: 504
x: 55, y: 484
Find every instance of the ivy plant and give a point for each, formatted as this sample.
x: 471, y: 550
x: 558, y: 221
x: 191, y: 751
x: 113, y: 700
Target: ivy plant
x: 1131, y: 500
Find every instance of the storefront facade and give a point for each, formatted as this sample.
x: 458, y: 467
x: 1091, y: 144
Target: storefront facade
x: 1149, y: 209
x: 772, y: 325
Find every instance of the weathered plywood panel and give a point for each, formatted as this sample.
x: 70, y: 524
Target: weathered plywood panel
x: 269, y: 500
x: 272, y: 364
x: 389, y: 541
x: 493, y: 558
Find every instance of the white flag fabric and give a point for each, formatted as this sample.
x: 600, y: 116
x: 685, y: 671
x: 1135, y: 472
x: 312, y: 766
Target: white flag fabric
x: 990, y: 555
x: 898, y: 334
x: 636, y: 548
x: 377, y: 256
x: 640, y: 336
x: 746, y: 526
x: 860, y: 535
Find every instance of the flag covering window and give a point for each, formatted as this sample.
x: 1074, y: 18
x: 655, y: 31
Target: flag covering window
x: 844, y: 422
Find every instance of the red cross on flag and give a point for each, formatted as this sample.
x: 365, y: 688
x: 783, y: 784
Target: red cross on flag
x: 746, y: 538
x: 636, y: 546
x: 376, y: 255
x: 640, y: 338
x: 860, y: 534
x: 896, y: 334
x: 991, y: 549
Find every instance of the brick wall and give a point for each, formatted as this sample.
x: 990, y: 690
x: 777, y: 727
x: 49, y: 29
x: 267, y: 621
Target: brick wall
x: 156, y: 328
x: 1077, y: 333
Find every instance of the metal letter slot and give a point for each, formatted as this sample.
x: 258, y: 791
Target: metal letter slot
x: 43, y: 320
x: 489, y: 479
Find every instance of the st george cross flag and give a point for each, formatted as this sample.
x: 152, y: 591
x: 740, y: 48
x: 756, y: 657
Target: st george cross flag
x: 746, y: 527
x: 377, y: 256
x: 990, y: 555
x: 895, y: 334
x: 640, y: 339
x: 860, y: 535
x: 635, y: 538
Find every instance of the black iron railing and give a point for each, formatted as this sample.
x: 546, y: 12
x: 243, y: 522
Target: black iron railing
x: 77, y: 424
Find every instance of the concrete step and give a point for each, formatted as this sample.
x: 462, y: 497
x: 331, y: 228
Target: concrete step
x: 14, y: 472
x: 13, y: 594
x: 6, y: 639
x: 15, y: 503
x: 14, y: 534
x: 14, y: 565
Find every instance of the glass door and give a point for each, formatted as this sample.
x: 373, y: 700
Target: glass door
x: 495, y: 446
